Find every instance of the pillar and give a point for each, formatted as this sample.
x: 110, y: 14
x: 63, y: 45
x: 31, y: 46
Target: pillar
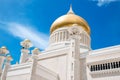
x: 1, y: 63
x: 35, y: 53
x: 74, y: 59
x: 26, y: 44
x: 6, y: 68
x: 3, y: 52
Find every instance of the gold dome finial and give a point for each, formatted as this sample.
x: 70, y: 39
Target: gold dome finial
x: 70, y: 10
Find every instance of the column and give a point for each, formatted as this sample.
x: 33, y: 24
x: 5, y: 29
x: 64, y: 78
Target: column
x: 35, y: 53
x: 55, y: 37
x: 7, y: 66
x: 74, y: 61
x: 50, y: 39
x: 26, y: 44
x: 81, y: 37
x: 3, y: 52
x: 60, y: 36
x: 2, y: 58
x: 84, y: 38
x: 87, y: 40
x: 65, y: 35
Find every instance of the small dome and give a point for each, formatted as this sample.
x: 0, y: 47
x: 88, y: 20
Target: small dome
x: 68, y: 20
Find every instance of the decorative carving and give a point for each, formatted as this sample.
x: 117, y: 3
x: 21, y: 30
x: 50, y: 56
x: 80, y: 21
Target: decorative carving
x: 75, y: 30
x: 4, y: 50
x: 26, y: 44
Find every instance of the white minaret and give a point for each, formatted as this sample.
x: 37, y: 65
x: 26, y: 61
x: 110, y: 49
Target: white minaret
x: 74, y: 55
x: 3, y: 52
x: 77, y: 60
x: 6, y: 67
x: 26, y: 44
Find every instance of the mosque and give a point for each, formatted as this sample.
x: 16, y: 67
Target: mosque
x: 69, y: 56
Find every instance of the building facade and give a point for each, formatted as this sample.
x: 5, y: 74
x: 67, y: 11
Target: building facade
x: 68, y: 57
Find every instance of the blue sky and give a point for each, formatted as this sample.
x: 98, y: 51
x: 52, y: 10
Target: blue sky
x: 31, y: 19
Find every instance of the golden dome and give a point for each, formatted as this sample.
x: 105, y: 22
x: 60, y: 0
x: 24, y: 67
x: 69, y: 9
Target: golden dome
x: 68, y: 20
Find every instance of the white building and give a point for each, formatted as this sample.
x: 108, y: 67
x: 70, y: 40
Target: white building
x: 68, y: 57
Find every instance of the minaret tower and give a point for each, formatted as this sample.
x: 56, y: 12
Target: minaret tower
x: 77, y: 58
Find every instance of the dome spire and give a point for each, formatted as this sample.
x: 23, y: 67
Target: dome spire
x: 70, y: 10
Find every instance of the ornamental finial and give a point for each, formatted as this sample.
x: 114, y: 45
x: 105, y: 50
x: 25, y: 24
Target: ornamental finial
x: 26, y: 44
x: 70, y: 10
x: 4, y: 50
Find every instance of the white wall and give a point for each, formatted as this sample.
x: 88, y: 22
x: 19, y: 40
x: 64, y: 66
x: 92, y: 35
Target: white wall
x: 19, y: 72
x: 57, y: 64
x: 19, y: 77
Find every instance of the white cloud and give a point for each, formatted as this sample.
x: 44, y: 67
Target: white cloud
x: 104, y: 2
x: 38, y: 39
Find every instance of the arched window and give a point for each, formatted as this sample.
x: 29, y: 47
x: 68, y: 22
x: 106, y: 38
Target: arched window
x: 98, y: 67
x: 91, y: 68
x: 108, y: 65
x: 117, y: 65
x: 114, y: 65
x: 101, y: 66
